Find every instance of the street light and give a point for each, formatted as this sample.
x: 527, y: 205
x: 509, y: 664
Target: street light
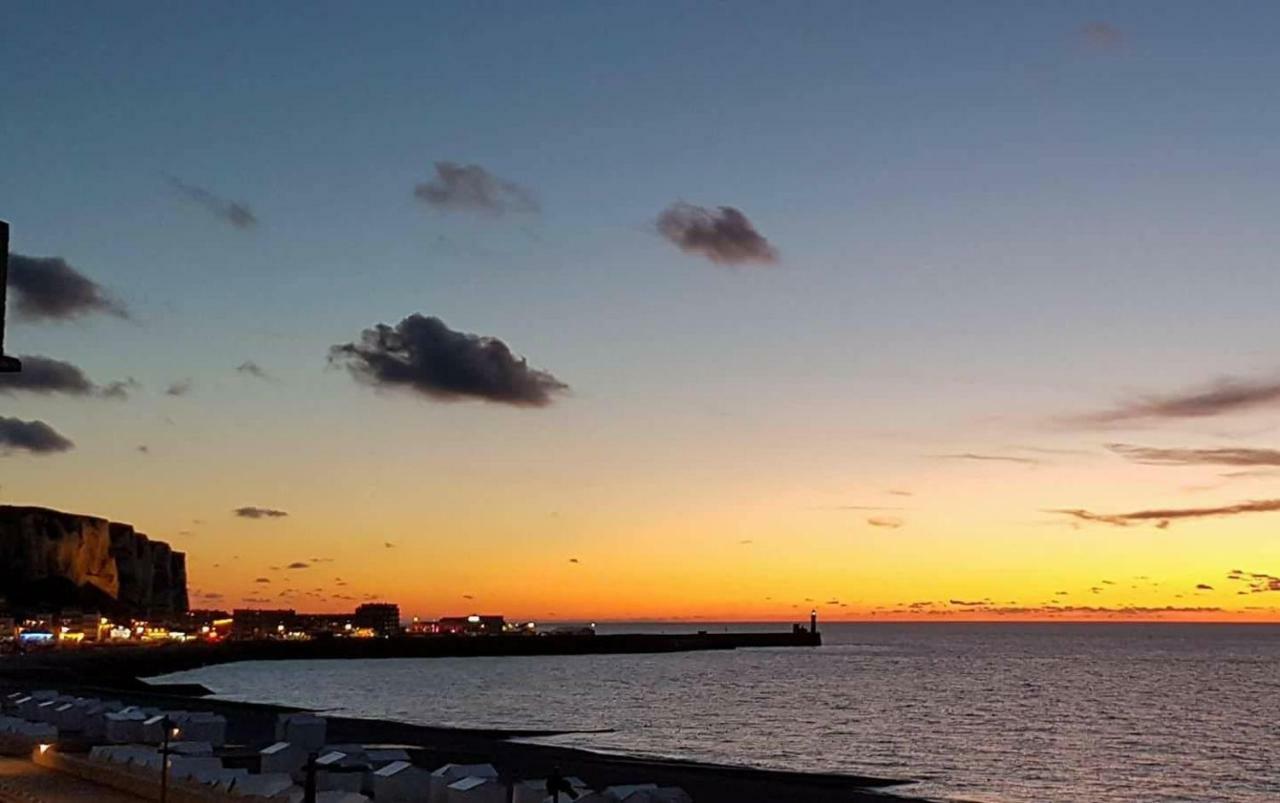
x: 8, y: 365
x: 167, y: 726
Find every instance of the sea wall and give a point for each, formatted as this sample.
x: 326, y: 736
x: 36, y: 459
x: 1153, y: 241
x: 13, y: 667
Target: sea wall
x: 51, y: 560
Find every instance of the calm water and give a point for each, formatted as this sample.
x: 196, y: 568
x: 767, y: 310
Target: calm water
x: 999, y: 713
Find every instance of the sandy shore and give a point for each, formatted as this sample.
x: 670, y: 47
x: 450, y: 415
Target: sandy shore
x: 252, y: 725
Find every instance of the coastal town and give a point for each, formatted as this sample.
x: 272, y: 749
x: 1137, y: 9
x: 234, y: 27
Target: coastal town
x: 93, y: 611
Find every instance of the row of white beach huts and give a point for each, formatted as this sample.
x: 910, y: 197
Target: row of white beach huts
x: 127, y: 740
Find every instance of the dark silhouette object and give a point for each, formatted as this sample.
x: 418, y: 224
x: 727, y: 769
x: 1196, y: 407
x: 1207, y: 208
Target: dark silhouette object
x: 167, y: 726
x: 556, y: 784
x: 813, y: 621
x: 8, y: 365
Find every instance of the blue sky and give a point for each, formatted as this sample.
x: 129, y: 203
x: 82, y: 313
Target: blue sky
x: 986, y: 216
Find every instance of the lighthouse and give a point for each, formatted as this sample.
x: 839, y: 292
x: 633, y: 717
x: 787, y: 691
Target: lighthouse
x: 813, y: 621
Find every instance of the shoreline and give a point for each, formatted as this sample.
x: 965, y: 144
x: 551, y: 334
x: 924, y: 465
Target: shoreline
x: 251, y: 724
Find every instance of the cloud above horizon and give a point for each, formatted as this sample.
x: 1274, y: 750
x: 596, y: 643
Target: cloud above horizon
x: 997, y: 458
x: 1231, y: 456
x: 33, y: 437
x: 1102, y: 35
x: 423, y: 355
x: 179, y: 388
x: 251, y: 512
x: 723, y: 235
x: 471, y: 188
x: 1163, y: 517
x: 233, y: 212
x: 888, y: 522
x: 1224, y: 397
x: 49, y: 289
x: 47, y: 376
x: 251, y: 368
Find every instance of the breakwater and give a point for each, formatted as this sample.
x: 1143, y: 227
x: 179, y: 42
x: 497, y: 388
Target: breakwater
x: 122, y: 666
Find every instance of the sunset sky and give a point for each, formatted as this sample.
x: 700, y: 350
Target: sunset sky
x: 895, y: 309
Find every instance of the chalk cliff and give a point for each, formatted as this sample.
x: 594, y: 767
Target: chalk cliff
x: 50, y: 560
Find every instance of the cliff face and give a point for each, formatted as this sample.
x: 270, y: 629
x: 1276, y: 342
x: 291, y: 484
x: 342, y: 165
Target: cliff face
x: 55, y: 560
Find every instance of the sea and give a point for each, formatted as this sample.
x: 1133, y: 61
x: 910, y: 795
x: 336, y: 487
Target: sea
x: 997, y: 713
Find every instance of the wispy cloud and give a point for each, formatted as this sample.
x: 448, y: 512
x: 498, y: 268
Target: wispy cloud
x: 1239, y: 456
x: 47, y: 376
x: 1256, y: 582
x: 1163, y: 516
x: 423, y: 355
x: 1102, y: 35
x: 48, y: 289
x: 180, y: 388
x: 251, y: 512
x: 723, y: 235
x: 887, y: 522
x: 33, y: 437
x: 998, y: 458
x: 251, y: 368
x: 1221, y: 398
x: 471, y: 188
x: 233, y: 212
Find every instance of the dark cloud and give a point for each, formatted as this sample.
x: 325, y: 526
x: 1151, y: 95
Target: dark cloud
x: 573, y: 560
x: 251, y: 368
x: 988, y: 457
x: 144, y: 449
x: 901, y: 493
x: 233, y: 212
x: 1102, y: 35
x: 1226, y: 396
x: 47, y: 376
x: 388, y: 545
x: 968, y: 603
x: 180, y: 388
x: 251, y: 512
x: 1257, y: 582
x: 1162, y: 517
x: 862, y: 507
x: 297, y: 564
x: 263, y: 580
x: 422, y: 354
x: 889, y: 522
x: 1239, y: 456
x: 47, y: 288
x: 1203, y: 587
x: 723, y: 235
x: 471, y: 188
x: 35, y: 437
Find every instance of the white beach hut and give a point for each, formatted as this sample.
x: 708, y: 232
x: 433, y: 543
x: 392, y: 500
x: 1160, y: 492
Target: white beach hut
x: 201, y: 726
x: 123, y: 727
x: 267, y: 784
x: 476, y: 790
x: 69, y: 717
x: 400, y: 782
x: 328, y: 778
x: 282, y: 757
x: 304, y: 730
x: 443, y: 776
x: 381, y: 756
x: 188, y: 766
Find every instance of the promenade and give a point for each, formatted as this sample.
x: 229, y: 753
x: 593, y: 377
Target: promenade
x: 21, y: 781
